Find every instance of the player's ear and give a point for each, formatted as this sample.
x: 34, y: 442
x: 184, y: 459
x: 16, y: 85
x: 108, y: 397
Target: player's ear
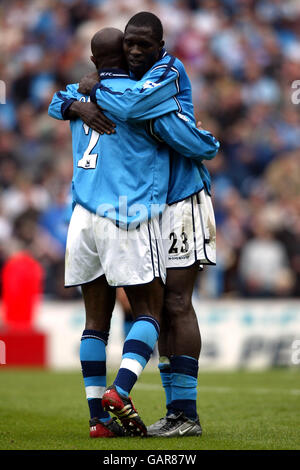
x: 94, y: 61
x: 161, y: 44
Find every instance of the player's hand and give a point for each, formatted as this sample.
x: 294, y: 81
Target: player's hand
x: 92, y: 115
x: 87, y: 83
x: 199, y: 126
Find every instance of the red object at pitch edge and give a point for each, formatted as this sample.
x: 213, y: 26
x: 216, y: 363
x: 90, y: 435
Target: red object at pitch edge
x: 24, y: 348
x: 22, y: 278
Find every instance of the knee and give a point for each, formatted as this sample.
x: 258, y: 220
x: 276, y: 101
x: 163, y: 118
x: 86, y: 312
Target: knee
x: 177, y: 305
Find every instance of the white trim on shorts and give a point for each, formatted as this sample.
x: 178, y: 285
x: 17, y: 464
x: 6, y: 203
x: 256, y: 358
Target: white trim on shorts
x: 96, y: 247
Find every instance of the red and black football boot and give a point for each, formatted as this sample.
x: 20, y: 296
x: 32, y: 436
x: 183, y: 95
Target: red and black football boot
x: 108, y: 429
x: 124, y: 409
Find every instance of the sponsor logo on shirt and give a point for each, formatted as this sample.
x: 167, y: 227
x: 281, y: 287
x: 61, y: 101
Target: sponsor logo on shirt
x: 183, y: 117
x: 149, y: 84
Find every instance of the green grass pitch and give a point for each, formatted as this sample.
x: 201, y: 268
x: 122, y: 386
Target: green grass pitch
x: 238, y: 411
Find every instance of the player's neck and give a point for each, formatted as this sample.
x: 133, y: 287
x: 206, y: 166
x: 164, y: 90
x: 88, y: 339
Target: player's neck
x: 113, y: 64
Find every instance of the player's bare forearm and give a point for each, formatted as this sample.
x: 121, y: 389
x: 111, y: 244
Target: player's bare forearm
x: 91, y: 115
x: 74, y: 110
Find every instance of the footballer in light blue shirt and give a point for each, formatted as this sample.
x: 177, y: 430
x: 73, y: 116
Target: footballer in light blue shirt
x: 140, y: 177
x: 180, y: 341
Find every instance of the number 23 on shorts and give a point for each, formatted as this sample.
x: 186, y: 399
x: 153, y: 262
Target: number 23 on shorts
x: 178, y: 246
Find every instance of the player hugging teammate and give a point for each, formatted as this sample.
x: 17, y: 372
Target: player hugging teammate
x: 153, y: 156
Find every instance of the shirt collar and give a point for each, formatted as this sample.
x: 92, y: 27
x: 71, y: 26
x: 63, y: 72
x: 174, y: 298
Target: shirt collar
x: 112, y: 73
x: 163, y: 53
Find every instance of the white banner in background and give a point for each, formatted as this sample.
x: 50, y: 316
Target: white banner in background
x: 235, y: 333
x: 64, y: 322
x: 248, y: 334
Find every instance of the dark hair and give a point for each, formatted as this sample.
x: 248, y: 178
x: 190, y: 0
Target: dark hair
x: 145, y: 18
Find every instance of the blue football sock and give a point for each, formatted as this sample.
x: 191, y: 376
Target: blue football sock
x: 93, y: 365
x: 166, y: 379
x: 138, y: 347
x: 184, y: 385
x: 127, y: 327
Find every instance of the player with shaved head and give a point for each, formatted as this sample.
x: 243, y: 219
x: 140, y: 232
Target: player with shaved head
x: 109, y: 245
x: 188, y: 243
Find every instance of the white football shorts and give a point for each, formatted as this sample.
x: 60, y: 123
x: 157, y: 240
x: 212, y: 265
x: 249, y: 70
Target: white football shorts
x: 189, y: 232
x: 96, y: 246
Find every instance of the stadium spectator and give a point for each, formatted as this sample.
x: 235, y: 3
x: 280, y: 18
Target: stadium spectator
x: 264, y: 267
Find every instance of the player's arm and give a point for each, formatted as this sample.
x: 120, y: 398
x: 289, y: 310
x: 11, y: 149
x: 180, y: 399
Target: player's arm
x: 66, y: 105
x: 145, y: 100
x: 158, y: 85
x: 61, y: 102
x: 182, y: 135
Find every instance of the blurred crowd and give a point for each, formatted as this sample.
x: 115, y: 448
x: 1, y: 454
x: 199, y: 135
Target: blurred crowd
x: 242, y: 57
